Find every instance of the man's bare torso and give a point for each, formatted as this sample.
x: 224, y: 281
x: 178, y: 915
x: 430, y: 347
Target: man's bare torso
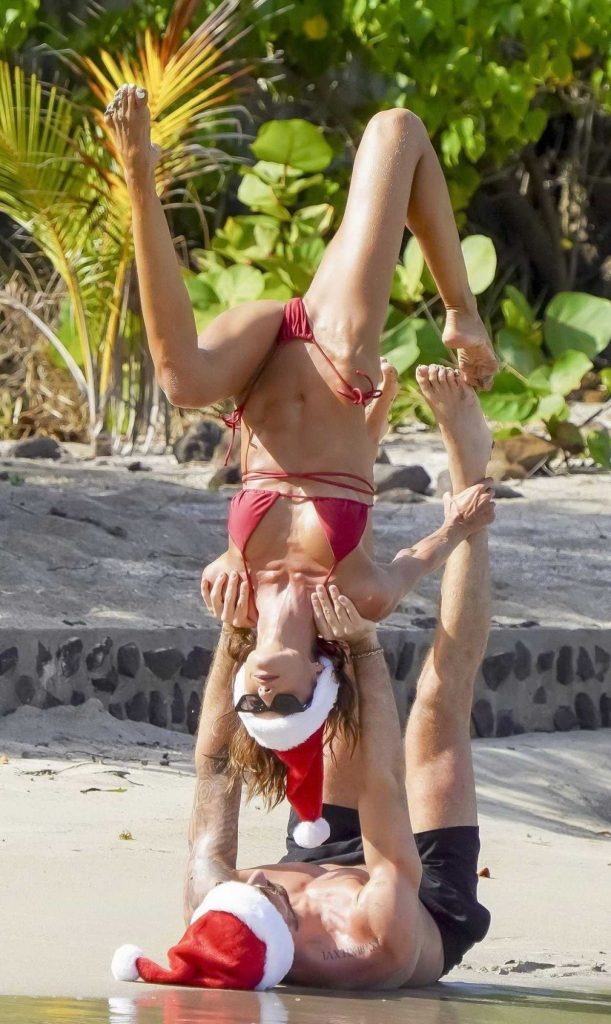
x: 334, y: 946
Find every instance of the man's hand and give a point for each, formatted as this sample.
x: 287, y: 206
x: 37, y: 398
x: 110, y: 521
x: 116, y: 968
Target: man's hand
x: 472, y: 508
x: 227, y: 598
x: 336, y: 618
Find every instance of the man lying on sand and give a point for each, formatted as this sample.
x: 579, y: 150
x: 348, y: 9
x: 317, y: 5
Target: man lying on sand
x: 390, y: 899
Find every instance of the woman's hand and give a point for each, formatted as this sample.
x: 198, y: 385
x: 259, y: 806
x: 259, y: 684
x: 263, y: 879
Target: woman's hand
x: 472, y: 508
x: 227, y: 598
x: 336, y: 618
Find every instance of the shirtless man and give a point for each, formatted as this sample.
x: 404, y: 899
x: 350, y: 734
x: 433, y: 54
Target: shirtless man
x: 390, y: 899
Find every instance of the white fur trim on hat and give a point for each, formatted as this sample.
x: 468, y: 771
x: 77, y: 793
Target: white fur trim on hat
x: 288, y: 731
x: 310, y: 834
x: 123, y: 966
x: 251, y: 907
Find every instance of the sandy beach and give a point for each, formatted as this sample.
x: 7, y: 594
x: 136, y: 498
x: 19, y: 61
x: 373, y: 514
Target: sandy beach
x: 93, y: 840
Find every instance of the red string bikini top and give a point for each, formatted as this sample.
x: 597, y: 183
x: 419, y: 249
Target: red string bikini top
x: 342, y: 519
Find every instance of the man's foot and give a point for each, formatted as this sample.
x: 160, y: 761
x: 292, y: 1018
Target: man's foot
x: 466, y: 332
x: 377, y: 413
x: 464, y: 430
x: 129, y: 117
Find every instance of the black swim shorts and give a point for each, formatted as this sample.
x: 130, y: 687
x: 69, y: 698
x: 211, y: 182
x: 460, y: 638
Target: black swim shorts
x: 448, y: 888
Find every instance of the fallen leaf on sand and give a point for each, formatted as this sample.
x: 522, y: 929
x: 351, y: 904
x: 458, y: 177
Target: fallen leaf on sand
x: 125, y: 835
x: 484, y: 873
x: 96, y: 789
x: 3, y: 759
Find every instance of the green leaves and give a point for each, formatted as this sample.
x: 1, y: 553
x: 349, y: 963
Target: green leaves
x: 599, y: 447
x: 480, y: 258
x: 568, y: 371
x: 294, y: 142
x: 577, y: 321
x: 510, y: 401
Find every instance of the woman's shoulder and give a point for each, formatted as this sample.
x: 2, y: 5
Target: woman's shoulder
x: 263, y: 315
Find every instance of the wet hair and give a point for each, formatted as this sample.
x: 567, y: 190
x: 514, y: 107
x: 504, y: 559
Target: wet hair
x: 259, y: 769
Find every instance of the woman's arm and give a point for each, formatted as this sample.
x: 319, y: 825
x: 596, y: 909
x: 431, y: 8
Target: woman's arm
x: 465, y: 513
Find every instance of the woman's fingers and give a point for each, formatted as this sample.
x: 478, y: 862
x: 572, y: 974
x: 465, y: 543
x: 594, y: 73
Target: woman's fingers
x: 329, y: 611
x: 320, y: 621
x: 230, y: 598
x: 216, y: 594
x: 240, y: 616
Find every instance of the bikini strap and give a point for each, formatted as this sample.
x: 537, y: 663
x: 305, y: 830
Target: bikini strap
x: 321, y: 476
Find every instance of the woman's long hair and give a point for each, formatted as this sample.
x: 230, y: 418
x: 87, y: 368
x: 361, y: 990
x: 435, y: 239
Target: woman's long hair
x: 261, y: 771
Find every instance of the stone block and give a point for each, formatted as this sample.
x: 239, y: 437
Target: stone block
x: 505, y: 725
x: 106, y: 683
x: 565, y: 719
x: 77, y: 697
x: 43, y: 657
x: 564, y: 666
x: 8, y: 660
x: 496, y: 669
x: 602, y: 659
x: 158, y: 712
x: 25, y: 688
x: 523, y: 662
x: 69, y: 656
x: 414, y: 478
x: 540, y: 695
x: 98, y: 654
x: 197, y: 663
x: 164, y: 662
x: 482, y: 716
x: 406, y: 660
x: 193, y: 709
x: 545, y: 661
x: 137, y: 708
x: 128, y: 660
x: 178, y: 706
x: 585, y: 711
x: 605, y: 710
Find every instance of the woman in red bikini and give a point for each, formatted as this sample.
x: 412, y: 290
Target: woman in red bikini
x: 304, y: 377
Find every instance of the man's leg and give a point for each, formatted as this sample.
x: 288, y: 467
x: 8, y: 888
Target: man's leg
x: 439, y: 768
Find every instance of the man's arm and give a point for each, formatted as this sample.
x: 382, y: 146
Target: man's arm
x: 213, y: 829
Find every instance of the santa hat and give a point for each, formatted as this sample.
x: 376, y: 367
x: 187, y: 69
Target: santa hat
x: 298, y: 741
x: 236, y: 939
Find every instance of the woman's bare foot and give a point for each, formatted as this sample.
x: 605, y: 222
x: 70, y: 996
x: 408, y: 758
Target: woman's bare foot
x: 377, y: 413
x: 464, y: 430
x: 465, y: 331
x: 129, y: 117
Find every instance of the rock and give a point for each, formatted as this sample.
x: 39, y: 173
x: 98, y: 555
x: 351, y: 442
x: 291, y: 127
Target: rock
x: 198, y: 443
x: 137, y: 708
x: 545, y: 661
x: 178, y: 706
x: 230, y: 475
x: 564, y: 666
x: 540, y: 695
x: 400, y: 496
x: 128, y: 660
x: 406, y: 660
x: 8, y: 659
x: 164, y: 662
x: 98, y: 654
x: 387, y: 478
x: 564, y: 719
x: 496, y: 668
x: 382, y: 457
x: 50, y: 701
x: 602, y: 659
x: 585, y: 711
x: 605, y: 710
x: 425, y: 622
x: 43, y: 657
x: 197, y: 663
x: 193, y: 710
x: 391, y: 663
x: 502, y: 490
x: 137, y: 466
x: 523, y: 662
x: 505, y: 725
x: 38, y: 448
x: 69, y: 656
x: 25, y: 688
x: 77, y: 698
x: 585, y: 668
x: 483, y: 717
x: 116, y: 711
x: 106, y: 683
x: 158, y: 713
x: 525, y: 450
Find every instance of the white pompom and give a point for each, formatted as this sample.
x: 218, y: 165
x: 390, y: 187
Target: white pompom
x: 123, y: 964
x: 310, y: 834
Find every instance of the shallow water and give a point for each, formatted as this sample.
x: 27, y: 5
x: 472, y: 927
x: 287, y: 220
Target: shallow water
x: 469, y: 1004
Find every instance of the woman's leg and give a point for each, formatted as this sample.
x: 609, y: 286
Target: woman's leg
x: 397, y: 180
x: 193, y: 372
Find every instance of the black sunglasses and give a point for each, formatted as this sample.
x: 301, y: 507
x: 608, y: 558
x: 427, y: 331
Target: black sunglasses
x: 282, y: 704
